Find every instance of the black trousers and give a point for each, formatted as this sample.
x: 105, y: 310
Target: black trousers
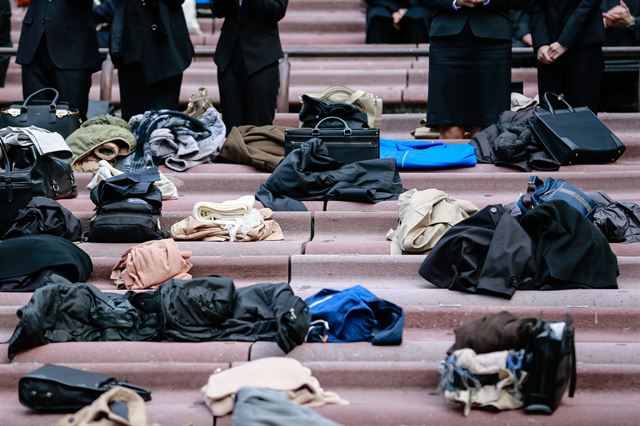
x: 380, y: 30
x: 137, y: 98
x: 248, y: 99
x: 577, y: 74
x: 72, y: 84
x: 5, y: 37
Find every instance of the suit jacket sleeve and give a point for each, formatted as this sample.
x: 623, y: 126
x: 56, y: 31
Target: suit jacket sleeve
x: 538, y: 25
x: 578, y: 21
x: 519, y: 24
x: 221, y: 8
x: 503, y: 5
x: 274, y: 9
x: 441, y: 4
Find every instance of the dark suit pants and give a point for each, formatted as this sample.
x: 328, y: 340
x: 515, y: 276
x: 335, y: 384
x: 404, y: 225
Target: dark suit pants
x: 72, y: 84
x: 5, y: 37
x: 137, y: 98
x: 248, y: 99
x: 380, y: 30
x: 577, y: 74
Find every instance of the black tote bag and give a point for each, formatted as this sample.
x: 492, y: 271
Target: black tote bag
x: 575, y: 135
x: 344, y: 144
x: 16, y: 190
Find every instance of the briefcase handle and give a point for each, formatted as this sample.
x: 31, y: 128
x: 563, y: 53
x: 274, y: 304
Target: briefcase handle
x: 559, y: 97
x: 52, y: 104
x: 316, y: 130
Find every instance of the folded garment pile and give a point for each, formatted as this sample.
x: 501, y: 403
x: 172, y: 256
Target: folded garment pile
x: 504, y: 362
x: 202, y: 309
x: 232, y: 220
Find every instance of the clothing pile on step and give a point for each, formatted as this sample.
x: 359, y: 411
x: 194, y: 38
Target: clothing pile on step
x: 504, y: 362
x: 202, y: 309
x: 266, y: 391
x: 231, y: 220
x: 552, y: 246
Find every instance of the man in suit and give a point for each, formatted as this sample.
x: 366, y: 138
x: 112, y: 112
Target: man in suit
x: 59, y: 48
x: 5, y: 37
x: 247, y: 58
x: 622, y: 22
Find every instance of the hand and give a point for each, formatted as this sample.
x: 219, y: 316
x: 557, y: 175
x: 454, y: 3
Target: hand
x: 526, y: 39
x: 397, y: 17
x: 618, y: 16
x: 467, y: 3
x: 543, y: 55
x: 556, y: 50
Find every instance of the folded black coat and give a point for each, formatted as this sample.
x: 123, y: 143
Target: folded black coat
x: 203, y: 309
x: 511, y: 143
x: 129, y: 185
x: 488, y: 253
x: 570, y: 251
x: 308, y: 173
x: 45, y: 216
x: 25, y: 261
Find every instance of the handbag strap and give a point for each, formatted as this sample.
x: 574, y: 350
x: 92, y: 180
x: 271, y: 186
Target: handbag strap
x: 52, y: 104
x: 316, y: 130
x: 560, y: 98
x: 532, y: 184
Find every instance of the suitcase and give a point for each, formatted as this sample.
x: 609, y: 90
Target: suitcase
x: 344, y: 144
x: 575, y: 135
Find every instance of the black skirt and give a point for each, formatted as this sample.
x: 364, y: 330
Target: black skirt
x: 469, y: 80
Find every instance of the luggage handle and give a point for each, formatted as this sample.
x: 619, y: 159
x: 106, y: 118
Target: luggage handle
x: 533, y: 182
x: 52, y: 104
x: 559, y: 97
x: 347, y: 130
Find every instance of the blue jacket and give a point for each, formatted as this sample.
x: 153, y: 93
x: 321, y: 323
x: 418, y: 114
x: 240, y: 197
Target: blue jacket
x: 354, y: 315
x: 416, y: 154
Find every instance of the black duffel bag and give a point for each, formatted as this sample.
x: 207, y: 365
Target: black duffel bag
x: 54, y: 388
x: 52, y: 176
x: 52, y: 115
x: 132, y: 220
x: 315, y: 111
x: 344, y: 144
x: 16, y: 190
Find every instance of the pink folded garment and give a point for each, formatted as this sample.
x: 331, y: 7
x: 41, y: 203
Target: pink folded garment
x: 149, y: 264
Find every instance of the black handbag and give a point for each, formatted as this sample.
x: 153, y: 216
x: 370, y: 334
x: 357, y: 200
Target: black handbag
x: 54, y: 388
x: 575, y: 135
x: 315, y: 111
x: 16, y: 190
x: 550, y: 362
x: 132, y: 220
x: 344, y: 144
x: 52, y: 177
x: 52, y: 115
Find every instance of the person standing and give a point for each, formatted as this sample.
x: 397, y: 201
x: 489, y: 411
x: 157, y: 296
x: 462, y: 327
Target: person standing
x: 151, y: 47
x: 469, y: 64
x: 621, y: 22
x: 247, y: 58
x: 397, y: 21
x: 58, y: 48
x: 5, y: 37
x: 568, y: 37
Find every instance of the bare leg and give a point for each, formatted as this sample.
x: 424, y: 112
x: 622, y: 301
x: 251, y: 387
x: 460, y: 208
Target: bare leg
x: 451, y: 132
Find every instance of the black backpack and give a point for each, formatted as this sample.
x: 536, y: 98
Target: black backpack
x: 551, y: 365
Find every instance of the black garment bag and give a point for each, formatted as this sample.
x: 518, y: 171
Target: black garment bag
x: 54, y: 388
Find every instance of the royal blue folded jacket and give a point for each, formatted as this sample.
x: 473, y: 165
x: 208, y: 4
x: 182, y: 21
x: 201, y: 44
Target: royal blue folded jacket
x: 420, y: 154
x: 354, y: 315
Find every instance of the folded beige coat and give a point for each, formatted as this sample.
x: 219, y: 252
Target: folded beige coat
x: 424, y: 217
x: 231, y: 209
x: 279, y: 373
x: 99, y: 413
x: 149, y: 264
x: 257, y: 225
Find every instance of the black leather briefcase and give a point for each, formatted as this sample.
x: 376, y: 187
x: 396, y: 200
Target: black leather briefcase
x: 344, y: 144
x: 54, y: 388
x: 575, y: 135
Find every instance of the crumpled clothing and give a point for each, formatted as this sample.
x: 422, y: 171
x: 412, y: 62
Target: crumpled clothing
x: 45, y: 141
x: 200, y: 310
x: 100, y: 413
x: 424, y: 217
x: 259, y: 146
x: 309, y: 173
x: 278, y: 373
x: 511, y: 143
x: 257, y: 225
x: 267, y: 407
x: 230, y: 209
x: 168, y: 186
x: 149, y: 264
x: 178, y: 140
x: 619, y: 222
x: 501, y: 388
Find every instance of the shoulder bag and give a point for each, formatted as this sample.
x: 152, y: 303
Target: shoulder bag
x: 364, y: 101
x: 52, y: 177
x: 15, y: 190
